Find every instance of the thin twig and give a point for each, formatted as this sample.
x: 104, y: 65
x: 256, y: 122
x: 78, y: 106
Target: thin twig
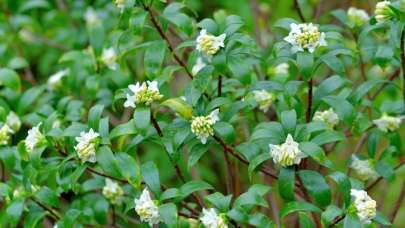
x: 220, y: 85
x: 403, y: 62
x: 299, y: 11
x: 372, y: 185
x: 55, y: 215
x: 309, y: 104
x: 398, y: 203
x: 230, y: 179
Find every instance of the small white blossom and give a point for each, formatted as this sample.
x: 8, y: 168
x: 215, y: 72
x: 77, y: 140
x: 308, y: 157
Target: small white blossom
x: 305, y: 36
x: 147, y: 209
x: 112, y: 191
x: 364, y: 169
x: 286, y: 154
x: 86, y: 146
x: 26, y: 35
x: 144, y: 93
x: 365, y: 206
x: 109, y: 58
x: 91, y: 17
x: 209, y: 44
x: 281, y: 69
x: 357, y: 16
x: 5, y: 134
x: 120, y: 4
x: 387, y: 123
x: 329, y: 117
x: 54, y: 80
x: 198, y: 66
x: 264, y: 99
x: 383, y: 12
x: 211, y: 219
x: 13, y: 121
x: 34, y: 139
x: 202, y: 126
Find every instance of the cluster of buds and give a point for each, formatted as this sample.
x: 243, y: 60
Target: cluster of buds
x: 364, y: 206
x: 305, y: 36
x: 329, y: 117
x: 211, y: 219
x: 11, y: 126
x: 264, y: 99
x: 202, y: 126
x: 113, y: 192
x: 86, y: 146
x: 5, y: 135
x: 388, y: 123
x: 357, y: 17
x: 209, y: 44
x: 383, y: 11
x: 34, y: 138
x: 144, y: 93
x: 286, y: 154
x: 364, y: 169
x: 147, y: 209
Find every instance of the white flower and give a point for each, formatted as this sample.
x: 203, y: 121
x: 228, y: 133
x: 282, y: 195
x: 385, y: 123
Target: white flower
x: 211, y: 219
x: 86, y: 146
x: 282, y: 69
x: 91, y: 17
x: 387, y: 123
x: 357, y: 16
x: 112, y: 191
x: 363, y: 168
x: 365, y: 206
x: 210, y: 44
x: 109, y: 58
x: 54, y: 80
x: 383, y: 12
x: 286, y: 154
x: 120, y: 4
x: 198, y: 66
x: 202, y: 126
x: 147, y: 209
x: 5, y: 134
x: 329, y: 117
x: 35, y: 138
x: 144, y: 93
x: 13, y: 121
x: 264, y: 99
x: 305, y: 36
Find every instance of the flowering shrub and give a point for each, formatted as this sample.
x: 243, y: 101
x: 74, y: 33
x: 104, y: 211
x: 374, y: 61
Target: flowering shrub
x: 142, y: 113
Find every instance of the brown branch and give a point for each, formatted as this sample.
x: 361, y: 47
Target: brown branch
x: 398, y: 203
x: 220, y: 85
x: 299, y: 11
x: 52, y: 212
x: 309, y: 101
x: 336, y: 221
x: 230, y: 182
x: 372, y: 185
x: 256, y: 17
x: 403, y: 62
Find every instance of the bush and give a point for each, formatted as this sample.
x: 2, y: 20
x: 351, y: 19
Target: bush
x: 201, y: 114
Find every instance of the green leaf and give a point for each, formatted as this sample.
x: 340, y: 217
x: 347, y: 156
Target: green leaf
x: 10, y: 79
x: 317, y: 187
x: 127, y: 128
x: 305, y: 221
x: 343, y: 108
x: 105, y: 158
x: 286, y: 183
x: 225, y: 131
x: 48, y: 196
x: 233, y: 24
x: 173, y: 14
x: 315, y: 152
x: 296, y: 206
x: 180, y: 107
x: 94, y: 116
x: 305, y: 63
x: 168, y: 213
x: 343, y: 184
x: 150, y: 175
x: 381, y: 219
x: 327, y: 87
x: 256, y: 161
x: 193, y: 186
x: 14, y: 210
x: 142, y: 117
x: 330, y: 214
x: 351, y: 221
x: 196, y: 152
x: 328, y: 137
x: 128, y: 168
x: 154, y: 56
x: 289, y: 120
x: 254, y: 196
x: 220, y: 201
x: 28, y: 98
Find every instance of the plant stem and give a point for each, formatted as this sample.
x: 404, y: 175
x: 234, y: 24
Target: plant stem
x: 403, y: 62
x: 398, y: 203
x: 230, y: 179
x: 372, y: 185
x: 220, y: 85
x: 299, y: 11
x: 309, y: 101
x: 55, y: 215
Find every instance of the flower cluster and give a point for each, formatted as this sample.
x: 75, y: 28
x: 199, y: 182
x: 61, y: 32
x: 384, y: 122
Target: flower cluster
x: 211, y: 219
x: 109, y: 58
x: 209, y: 44
x: 364, y: 205
x: 112, y: 191
x: 363, y: 168
x: 202, y: 126
x: 144, y: 93
x: 5, y: 134
x: 286, y: 154
x: 264, y: 99
x: 305, y: 36
x: 147, y: 209
x: 329, y: 117
x: 86, y: 146
x: 357, y: 17
x: 120, y: 4
x: 54, y: 80
x: 34, y: 139
x: 11, y: 126
x: 388, y: 123
x: 383, y: 12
